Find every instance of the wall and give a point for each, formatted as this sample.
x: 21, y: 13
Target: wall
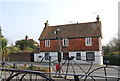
x: 22, y: 57
x: 98, y: 57
x: 74, y: 45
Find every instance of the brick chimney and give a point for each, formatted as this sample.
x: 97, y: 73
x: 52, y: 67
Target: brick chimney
x: 97, y: 18
x: 46, y: 24
x: 26, y: 37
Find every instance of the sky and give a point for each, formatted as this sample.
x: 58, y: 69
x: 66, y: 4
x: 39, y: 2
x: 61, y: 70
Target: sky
x: 27, y: 17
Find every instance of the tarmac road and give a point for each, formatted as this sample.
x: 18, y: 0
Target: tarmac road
x: 81, y: 69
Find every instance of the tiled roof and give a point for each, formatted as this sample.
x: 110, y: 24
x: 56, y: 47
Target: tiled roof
x: 32, y: 41
x: 90, y: 29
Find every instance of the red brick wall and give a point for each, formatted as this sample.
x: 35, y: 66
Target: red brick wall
x: 53, y: 46
x: 74, y: 45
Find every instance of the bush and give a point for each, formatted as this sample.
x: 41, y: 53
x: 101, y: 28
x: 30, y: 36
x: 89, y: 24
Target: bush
x: 113, y: 59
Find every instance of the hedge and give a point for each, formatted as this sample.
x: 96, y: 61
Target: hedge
x: 112, y: 59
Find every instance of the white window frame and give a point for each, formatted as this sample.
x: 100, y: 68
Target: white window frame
x: 47, y: 43
x: 88, y: 41
x: 65, y: 42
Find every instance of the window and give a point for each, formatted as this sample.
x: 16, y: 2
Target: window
x: 90, y: 56
x: 47, y: 56
x: 65, y: 56
x: 88, y: 41
x: 47, y: 43
x: 78, y: 56
x: 65, y: 42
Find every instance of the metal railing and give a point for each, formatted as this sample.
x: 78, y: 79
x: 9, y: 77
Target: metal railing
x: 70, y: 71
x: 24, y: 75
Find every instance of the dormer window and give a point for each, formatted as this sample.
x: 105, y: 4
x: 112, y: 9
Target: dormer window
x: 47, y: 43
x: 88, y: 41
x: 65, y: 42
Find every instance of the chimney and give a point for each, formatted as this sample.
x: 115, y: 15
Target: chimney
x: 46, y: 24
x: 97, y: 18
x: 26, y: 37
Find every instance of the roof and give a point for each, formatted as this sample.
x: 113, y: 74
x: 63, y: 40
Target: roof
x: 89, y: 29
x: 32, y: 41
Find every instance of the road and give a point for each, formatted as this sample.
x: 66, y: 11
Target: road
x: 77, y: 69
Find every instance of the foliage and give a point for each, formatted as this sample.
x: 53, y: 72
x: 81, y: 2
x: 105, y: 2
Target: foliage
x: 4, y: 42
x: 29, y: 68
x: 28, y: 49
x: 5, y: 50
x: 112, y: 51
x: 41, y: 68
x: 26, y: 45
x: 106, y: 49
x: 14, y: 49
x: 112, y: 47
x: 113, y: 59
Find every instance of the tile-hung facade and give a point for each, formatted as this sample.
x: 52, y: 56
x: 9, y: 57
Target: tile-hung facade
x: 81, y: 40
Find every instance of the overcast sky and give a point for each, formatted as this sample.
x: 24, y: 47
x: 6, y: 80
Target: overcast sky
x: 20, y: 18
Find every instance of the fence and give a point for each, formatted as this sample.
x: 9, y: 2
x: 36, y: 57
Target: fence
x: 69, y: 70
x: 28, y: 75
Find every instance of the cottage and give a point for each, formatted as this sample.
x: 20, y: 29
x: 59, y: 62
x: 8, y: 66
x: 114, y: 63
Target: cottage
x: 81, y: 40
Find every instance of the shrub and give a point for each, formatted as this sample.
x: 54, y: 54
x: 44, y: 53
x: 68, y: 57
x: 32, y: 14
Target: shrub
x: 113, y: 59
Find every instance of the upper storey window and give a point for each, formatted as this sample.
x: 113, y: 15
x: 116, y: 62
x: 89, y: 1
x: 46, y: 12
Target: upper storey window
x: 65, y: 42
x: 88, y: 41
x: 47, y: 43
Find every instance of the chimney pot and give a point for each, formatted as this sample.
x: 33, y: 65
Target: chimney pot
x: 46, y: 24
x: 97, y: 18
x: 26, y: 37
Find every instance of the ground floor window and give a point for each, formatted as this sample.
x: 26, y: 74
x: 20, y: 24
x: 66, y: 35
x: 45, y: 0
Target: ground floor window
x: 65, y: 56
x: 90, y: 56
x: 47, y: 56
x: 78, y: 56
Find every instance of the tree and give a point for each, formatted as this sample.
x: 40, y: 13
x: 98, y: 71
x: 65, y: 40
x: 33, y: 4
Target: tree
x: 5, y: 50
x: 4, y: 42
x: 106, y: 49
x: 25, y: 45
x: 112, y: 47
x: 112, y: 51
x: 113, y: 43
x: 14, y: 49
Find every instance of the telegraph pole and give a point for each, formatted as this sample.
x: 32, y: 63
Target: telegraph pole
x: 0, y: 44
x: 59, y: 47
